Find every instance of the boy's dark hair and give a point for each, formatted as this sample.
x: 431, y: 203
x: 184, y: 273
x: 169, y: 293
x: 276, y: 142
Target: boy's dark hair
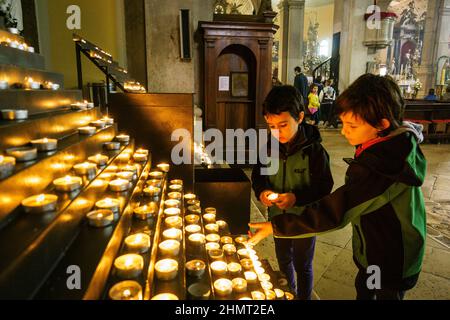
x: 284, y: 99
x: 373, y: 98
x: 312, y: 86
x: 298, y: 69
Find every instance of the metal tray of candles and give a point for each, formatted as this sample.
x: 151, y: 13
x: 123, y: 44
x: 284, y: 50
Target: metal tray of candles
x: 14, y: 114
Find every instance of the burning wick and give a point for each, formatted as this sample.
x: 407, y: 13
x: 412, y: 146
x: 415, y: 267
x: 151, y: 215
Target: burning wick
x: 272, y: 197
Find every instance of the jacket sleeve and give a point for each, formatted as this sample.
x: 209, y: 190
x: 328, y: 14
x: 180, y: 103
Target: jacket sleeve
x: 320, y: 177
x: 363, y: 192
x: 259, y: 182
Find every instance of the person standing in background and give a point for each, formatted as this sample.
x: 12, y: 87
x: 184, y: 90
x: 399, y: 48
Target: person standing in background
x: 326, y: 98
x: 301, y: 83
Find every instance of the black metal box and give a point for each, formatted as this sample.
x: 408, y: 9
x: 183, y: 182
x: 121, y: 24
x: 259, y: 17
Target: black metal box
x: 228, y: 190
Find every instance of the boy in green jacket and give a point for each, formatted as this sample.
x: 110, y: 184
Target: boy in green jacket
x: 303, y: 177
x: 381, y: 198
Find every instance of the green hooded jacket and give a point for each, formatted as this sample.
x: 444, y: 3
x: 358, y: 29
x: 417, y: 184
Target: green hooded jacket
x: 383, y: 201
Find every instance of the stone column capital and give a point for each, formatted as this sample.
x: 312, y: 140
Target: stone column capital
x: 291, y: 4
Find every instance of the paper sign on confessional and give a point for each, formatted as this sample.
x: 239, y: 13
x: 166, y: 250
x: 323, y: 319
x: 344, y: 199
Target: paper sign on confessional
x: 224, y: 83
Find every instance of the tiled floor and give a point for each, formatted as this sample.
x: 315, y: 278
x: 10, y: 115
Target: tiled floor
x: 334, y: 270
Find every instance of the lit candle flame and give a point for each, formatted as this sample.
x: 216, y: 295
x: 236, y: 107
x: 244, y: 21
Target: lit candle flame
x: 45, y: 140
x: 138, y: 238
x: 99, y: 216
x: 68, y: 179
x: 108, y: 201
x: 128, y: 262
x: 126, y: 293
x: 40, y: 198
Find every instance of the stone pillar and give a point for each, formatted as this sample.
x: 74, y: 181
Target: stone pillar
x: 292, y: 16
x: 442, y: 38
x: 427, y: 72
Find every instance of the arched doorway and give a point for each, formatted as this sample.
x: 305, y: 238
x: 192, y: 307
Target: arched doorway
x: 236, y: 106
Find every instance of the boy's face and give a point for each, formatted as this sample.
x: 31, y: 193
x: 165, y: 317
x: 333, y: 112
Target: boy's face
x: 286, y: 125
x: 357, y: 130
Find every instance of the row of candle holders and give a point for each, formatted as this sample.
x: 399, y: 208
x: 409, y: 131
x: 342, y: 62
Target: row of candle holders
x: 50, y: 146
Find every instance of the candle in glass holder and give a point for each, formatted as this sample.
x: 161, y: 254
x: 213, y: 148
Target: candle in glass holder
x: 126, y: 290
x: 199, y: 291
x: 239, y: 285
x: 223, y: 287
x: 6, y: 166
x: 226, y: 240
x: 173, y: 234
x: 109, y: 204
x: 119, y: 185
x: 98, y: 124
x: 111, y: 145
x: 165, y: 167
x: 193, y: 228
x: 166, y: 269
x: 192, y: 219
x: 266, y: 285
x: 124, y: 157
x: 139, y: 157
x: 87, y: 130
x: 45, y: 144
x: 175, y: 187
x: 263, y: 277
x: 209, y: 218
x: 259, y: 270
x: 174, y: 222
x: 219, y: 268
x: 196, y: 239
x: 156, y: 175
x: 4, y: 84
x: 243, y: 253
x: 107, y: 176
x: 195, y: 268
x: 251, y: 277
x: 139, y: 242
x: 212, y: 228
x: 222, y: 224
x: 212, y: 246
x: 152, y: 191
x: 247, y: 264
x: 68, y: 184
x: 216, y: 254
x: 100, y: 218
x: 270, y: 294
x: 165, y: 296
x: 272, y: 197
x: 194, y: 209
x: 99, y: 159
x: 22, y: 154
x: 229, y: 249
x: 40, y: 204
x: 123, y: 138
x: 189, y: 196
x: 172, y: 212
x: 174, y: 195
x: 129, y: 266
x: 234, y: 269
x: 172, y: 203
x: 213, y: 237
x: 154, y: 183
x: 169, y: 248
x: 279, y: 293
x: 145, y: 212
x: 85, y: 168
x: 125, y: 175
x: 258, y: 295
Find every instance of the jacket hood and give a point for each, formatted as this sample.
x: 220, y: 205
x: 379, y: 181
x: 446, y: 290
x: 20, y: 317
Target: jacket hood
x: 398, y: 158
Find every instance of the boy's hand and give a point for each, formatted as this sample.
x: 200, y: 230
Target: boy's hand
x: 263, y: 230
x: 286, y: 201
x: 263, y: 198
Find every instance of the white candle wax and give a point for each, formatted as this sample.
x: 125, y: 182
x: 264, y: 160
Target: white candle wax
x: 40, y: 203
x: 171, y: 212
x: 226, y: 240
x: 193, y: 229
x: 234, y: 268
x: 111, y: 145
x: 109, y: 204
x: 22, y: 154
x: 219, y: 268
x: 125, y: 175
x: 123, y: 138
x: 7, y: 165
x: 87, y: 130
x: 152, y: 191
x: 142, y: 151
x: 192, y: 219
x: 212, y: 228
x: 216, y: 254
x: 166, y: 269
x: 176, y: 181
x: 174, y: 195
x: 139, y: 157
x: 174, y: 222
x: 173, y: 234
x: 119, y: 185
x: 99, y: 159
x: 239, y: 285
x: 211, y: 210
x: 176, y: 187
x: 172, y: 203
x: 229, y: 249
x: 129, y: 266
x: 258, y: 295
x: 190, y: 196
x: 139, y: 242
x: 222, y: 224
x: 156, y: 175
x: 145, y: 212
x: 154, y: 183
x: 169, y: 248
x: 213, y: 237
x: 108, y: 120
x: 68, y: 184
x: 196, y: 239
x: 223, y: 287
x: 165, y: 296
x: 251, y: 277
x: 45, y: 144
x: 212, y: 246
x: 209, y: 218
x: 165, y: 167
x: 85, y: 168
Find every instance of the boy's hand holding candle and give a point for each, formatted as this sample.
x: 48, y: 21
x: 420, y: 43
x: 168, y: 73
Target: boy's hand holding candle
x: 286, y: 201
x: 267, y: 198
x: 263, y: 230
